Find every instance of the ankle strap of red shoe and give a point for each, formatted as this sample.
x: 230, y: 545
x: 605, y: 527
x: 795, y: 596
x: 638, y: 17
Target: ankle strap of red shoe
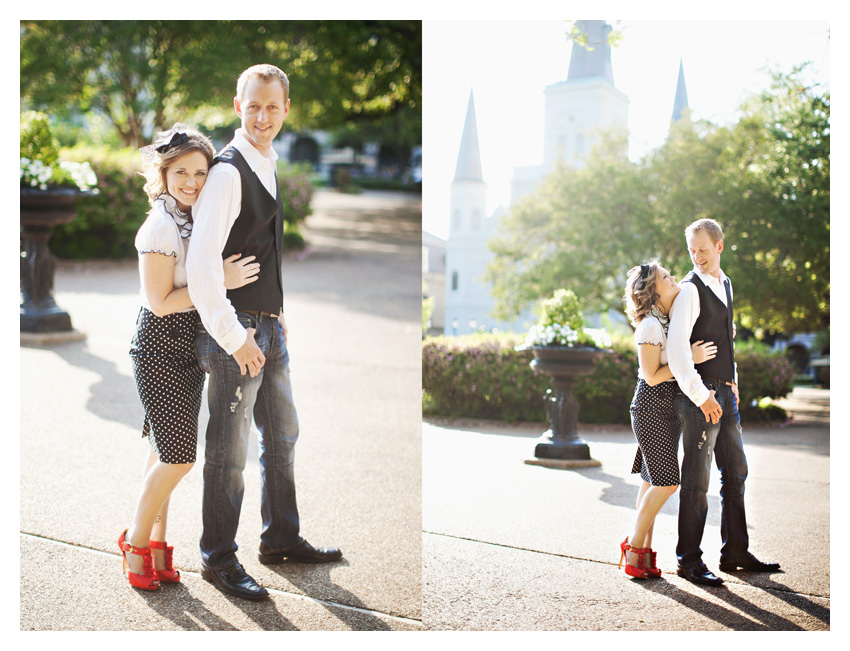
x: 141, y: 551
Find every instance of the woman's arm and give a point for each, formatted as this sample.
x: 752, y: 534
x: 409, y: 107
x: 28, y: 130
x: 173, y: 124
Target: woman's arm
x: 157, y: 272
x: 649, y: 358
x: 158, y: 280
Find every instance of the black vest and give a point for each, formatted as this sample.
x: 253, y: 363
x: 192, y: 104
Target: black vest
x: 258, y: 231
x: 714, y: 324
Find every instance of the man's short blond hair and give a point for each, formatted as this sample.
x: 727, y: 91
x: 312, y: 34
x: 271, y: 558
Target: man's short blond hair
x: 266, y: 72
x: 709, y: 226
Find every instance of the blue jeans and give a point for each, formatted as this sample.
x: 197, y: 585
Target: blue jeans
x: 233, y: 400
x: 701, y: 439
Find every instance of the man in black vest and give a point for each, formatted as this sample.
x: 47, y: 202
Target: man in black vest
x: 243, y: 342
x: 708, y: 411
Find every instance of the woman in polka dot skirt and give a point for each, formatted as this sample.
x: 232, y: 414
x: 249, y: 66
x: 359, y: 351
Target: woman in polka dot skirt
x: 168, y: 376
x: 650, y: 292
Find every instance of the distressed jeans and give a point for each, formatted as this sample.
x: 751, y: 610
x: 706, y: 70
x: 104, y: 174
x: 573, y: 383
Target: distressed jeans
x: 701, y: 440
x: 233, y: 400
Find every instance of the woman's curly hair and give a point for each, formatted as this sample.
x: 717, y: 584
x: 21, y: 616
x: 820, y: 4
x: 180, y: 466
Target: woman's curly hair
x: 640, y: 291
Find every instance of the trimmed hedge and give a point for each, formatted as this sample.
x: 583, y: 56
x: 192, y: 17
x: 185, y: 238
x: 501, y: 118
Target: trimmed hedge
x: 107, y: 222
x: 482, y: 376
x: 762, y: 375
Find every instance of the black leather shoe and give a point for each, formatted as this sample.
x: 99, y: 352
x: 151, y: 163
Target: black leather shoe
x: 303, y: 552
x: 234, y: 580
x: 699, y: 574
x: 749, y: 564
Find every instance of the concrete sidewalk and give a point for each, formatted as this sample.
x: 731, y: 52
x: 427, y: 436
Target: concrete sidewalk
x: 511, y: 546
x: 353, y: 304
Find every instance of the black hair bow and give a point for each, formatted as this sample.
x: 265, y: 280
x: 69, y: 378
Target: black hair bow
x: 177, y: 138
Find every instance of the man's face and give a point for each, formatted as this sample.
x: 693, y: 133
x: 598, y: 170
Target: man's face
x: 263, y: 110
x: 705, y: 253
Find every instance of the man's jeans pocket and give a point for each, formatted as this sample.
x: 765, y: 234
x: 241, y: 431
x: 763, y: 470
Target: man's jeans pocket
x: 202, y: 347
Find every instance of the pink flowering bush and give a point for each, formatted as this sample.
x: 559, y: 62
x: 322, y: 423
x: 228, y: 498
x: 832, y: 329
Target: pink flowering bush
x: 296, y: 191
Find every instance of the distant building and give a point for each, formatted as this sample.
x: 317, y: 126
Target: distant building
x: 585, y: 101
x: 434, y: 279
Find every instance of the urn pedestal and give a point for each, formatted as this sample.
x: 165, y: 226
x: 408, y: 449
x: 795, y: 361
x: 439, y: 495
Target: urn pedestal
x: 561, y: 443
x: 41, y: 210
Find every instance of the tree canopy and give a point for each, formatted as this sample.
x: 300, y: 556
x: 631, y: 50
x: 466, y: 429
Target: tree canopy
x: 765, y: 179
x: 144, y: 75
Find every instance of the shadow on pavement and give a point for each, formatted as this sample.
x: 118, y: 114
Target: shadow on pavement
x: 767, y: 621
x: 786, y: 594
x: 307, y: 578
x: 176, y: 604
x: 108, y: 397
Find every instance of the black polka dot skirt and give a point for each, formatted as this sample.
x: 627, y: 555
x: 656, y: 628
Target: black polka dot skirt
x: 170, y: 382
x: 656, y: 427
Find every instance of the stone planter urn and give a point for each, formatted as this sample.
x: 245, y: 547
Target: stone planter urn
x: 41, y: 210
x: 564, y: 365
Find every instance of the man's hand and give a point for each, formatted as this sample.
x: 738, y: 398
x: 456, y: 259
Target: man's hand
x: 283, y: 327
x: 249, y: 356
x: 737, y: 397
x: 711, y: 409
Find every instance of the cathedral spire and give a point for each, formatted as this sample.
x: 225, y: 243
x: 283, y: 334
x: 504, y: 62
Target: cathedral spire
x: 593, y: 60
x: 680, y: 104
x: 469, y: 157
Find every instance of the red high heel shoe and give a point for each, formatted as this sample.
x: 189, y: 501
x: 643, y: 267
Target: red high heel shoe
x: 650, y: 566
x: 169, y: 574
x: 146, y: 581
x: 637, y: 571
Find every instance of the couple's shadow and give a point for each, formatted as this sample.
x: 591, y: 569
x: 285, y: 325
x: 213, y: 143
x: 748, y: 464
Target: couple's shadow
x: 619, y: 492
x: 189, y: 612
x: 743, y: 615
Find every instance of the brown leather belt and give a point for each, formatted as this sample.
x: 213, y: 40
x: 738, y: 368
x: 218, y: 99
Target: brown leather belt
x: 258, y: 313
x: 719, y: 381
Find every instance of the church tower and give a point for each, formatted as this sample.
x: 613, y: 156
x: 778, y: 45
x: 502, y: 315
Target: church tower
x: 467, y: 302
x: 575, y: 107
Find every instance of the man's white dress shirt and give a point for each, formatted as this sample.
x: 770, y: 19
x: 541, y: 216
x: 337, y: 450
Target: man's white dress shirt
x: 217, y: 208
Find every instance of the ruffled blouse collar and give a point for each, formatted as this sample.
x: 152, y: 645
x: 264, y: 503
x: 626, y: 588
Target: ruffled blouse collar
x: 663, y: 319
x: 183, y: 219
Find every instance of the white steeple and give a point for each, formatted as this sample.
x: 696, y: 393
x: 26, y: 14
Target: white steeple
x: 680, y: 104
x: 469, y: 156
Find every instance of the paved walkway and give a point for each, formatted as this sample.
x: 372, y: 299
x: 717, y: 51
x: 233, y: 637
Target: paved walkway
x: 511, y: 546
x: 354, y: 314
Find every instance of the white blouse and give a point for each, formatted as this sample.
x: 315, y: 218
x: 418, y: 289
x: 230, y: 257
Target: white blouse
x: 652, y: 330
x: 166, y: 231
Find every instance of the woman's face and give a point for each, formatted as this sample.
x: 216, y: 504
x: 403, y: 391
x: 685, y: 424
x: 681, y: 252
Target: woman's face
x: 665, y: 286
x: 185, y: 178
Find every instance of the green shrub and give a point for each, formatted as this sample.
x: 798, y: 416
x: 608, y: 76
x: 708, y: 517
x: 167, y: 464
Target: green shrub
x: 762, y: 375
x: 482, y: 376
x: 293, y: 240
x: 107, y: 222
x: 37, y: 141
